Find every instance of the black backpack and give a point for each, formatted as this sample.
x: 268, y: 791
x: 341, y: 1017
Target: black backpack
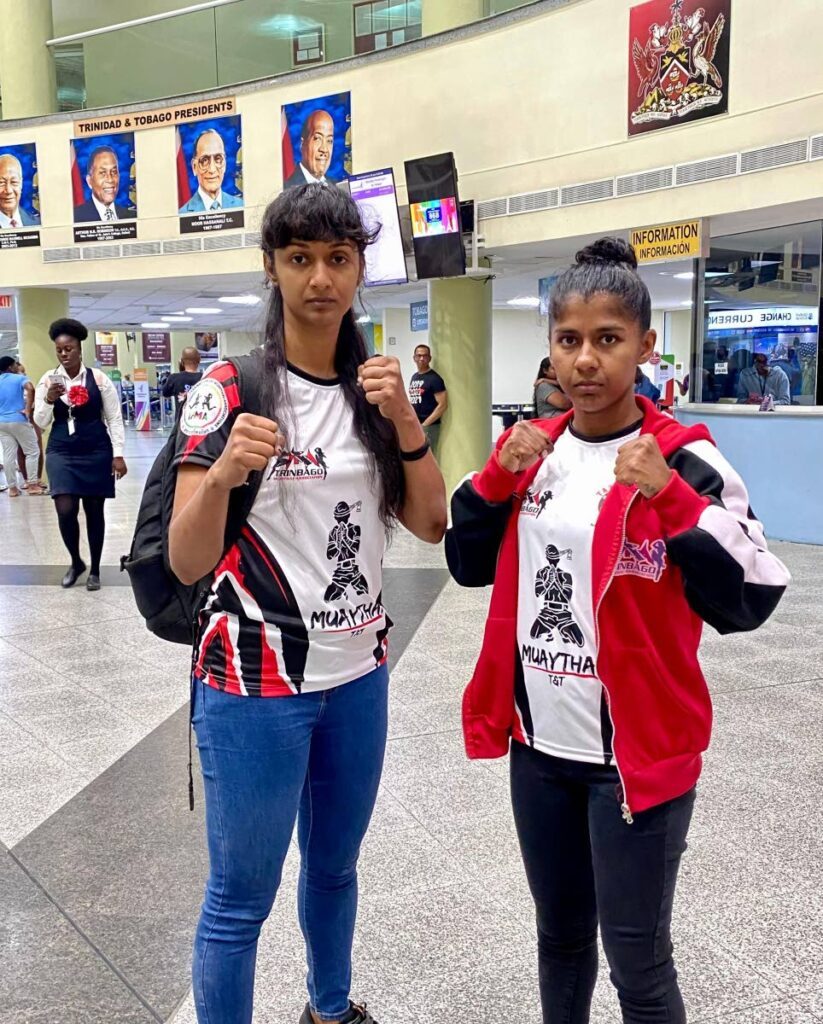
x: 169, y: 607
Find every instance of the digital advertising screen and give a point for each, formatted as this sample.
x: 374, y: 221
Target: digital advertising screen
x: 434, y: 207
x: 376, y: 199
x: 435, y: 217
x: 104, y: 187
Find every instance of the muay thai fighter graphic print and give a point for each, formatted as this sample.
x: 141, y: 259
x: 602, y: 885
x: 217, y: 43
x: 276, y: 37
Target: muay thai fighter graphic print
x: 296, y: 604
x: 560, y: 700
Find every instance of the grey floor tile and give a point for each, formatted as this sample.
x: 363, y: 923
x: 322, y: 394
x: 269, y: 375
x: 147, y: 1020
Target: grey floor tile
x: 395, y: 863
x: 127, y: 860
x: 780, y: 1012
x: 462, y: 793
x: 78, y: 987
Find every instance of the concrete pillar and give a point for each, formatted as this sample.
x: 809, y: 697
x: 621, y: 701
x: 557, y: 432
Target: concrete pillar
x: 441, y: 15
x: 460, y: 335
x: 35, y: 310
x: 27, y: 75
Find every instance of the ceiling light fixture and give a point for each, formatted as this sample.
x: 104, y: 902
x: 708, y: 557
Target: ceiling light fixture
x: 176, y: 318
x: 365, y: 319
x: 205, y: 310
x: 158, y: 325
x: 525, y: 302
x: 241, y: 300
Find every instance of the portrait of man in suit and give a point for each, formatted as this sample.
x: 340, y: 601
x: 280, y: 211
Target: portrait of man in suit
x: 103, y: 178
x: 209, y: 167
x: 12, y: 215
x: 316, y: 151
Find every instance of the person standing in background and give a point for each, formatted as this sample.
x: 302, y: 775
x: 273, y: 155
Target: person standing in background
x: 21, y: 458
x: 178, y: 385
x: 549, y: 400
x: 428, y: 395
x: 84, y: 455
x: 16, y: 398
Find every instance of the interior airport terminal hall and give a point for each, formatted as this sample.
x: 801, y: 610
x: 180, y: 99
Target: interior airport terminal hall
x: 411, y: 502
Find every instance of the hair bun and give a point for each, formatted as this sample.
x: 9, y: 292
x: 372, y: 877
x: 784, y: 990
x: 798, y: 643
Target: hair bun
x: 606, y: 251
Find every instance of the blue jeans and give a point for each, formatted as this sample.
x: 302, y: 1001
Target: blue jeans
x: 266, y: 761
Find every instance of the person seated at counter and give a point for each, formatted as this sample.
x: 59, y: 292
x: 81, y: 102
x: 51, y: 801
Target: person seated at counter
x: 644, y: 386
x: 760, y: 381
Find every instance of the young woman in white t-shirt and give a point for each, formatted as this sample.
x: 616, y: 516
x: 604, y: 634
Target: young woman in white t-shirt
x: 611, y: 535
x: 290, y: 678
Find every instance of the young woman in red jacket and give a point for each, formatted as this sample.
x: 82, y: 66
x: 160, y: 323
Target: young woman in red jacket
x: 611, y: 535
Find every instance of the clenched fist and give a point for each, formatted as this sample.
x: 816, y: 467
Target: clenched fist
x: 641, y: 463
x: 524, y: 446
x: 382, y: 384
x: 252, y: 442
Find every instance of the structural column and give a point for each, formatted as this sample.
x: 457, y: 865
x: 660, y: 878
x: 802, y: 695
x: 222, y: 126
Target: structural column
x: 35, y: 310
x: 27, y: 75
x: 460, y: 335
x: 441, y: 15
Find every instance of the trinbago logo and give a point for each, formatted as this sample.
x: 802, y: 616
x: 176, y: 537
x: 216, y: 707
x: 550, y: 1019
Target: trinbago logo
x: 679, y: 67
x: 300, y: 465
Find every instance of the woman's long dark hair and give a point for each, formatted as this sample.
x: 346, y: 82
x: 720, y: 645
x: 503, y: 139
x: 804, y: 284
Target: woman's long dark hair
x: 320, y: 213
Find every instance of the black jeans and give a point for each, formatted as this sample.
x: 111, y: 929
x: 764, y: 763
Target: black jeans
x: 584, y: 864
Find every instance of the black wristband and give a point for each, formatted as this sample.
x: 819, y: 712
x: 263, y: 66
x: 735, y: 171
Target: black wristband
x: 416, y: 455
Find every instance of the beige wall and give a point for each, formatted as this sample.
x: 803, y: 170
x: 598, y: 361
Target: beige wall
x: 554, y: 115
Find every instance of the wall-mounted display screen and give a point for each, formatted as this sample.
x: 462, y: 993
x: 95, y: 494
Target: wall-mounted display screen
x: 434, y: 206
x: 376, y: 199
x: 436, y: 217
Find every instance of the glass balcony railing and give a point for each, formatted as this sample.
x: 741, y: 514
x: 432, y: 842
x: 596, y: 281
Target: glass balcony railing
x: 231, y: 42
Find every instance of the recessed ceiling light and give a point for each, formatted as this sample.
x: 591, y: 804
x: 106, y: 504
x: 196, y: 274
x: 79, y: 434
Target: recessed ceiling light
x: 241, y: 300
x: 365, y: 319
x: 204, y: 309
x: 176, y: 318
x: 688, y: 302
x: 766, y: 263
x: 687, y: 275
x: 156, y: 326
x: 525, y: 302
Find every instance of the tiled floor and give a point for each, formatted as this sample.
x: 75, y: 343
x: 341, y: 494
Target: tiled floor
x: 102, y: 865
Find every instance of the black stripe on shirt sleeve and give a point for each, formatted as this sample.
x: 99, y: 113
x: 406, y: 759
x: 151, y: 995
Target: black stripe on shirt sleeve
x: 474, y: 538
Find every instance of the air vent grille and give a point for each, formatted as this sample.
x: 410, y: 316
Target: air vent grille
x: 774, y: 156
x: 645, y: 181
x: 101, y: 252
x: 142, y: 248
x: 212, y: 243
x: 252, y: 240
x: 179, y: 245
x: 64, y: 255
x: 492, y: 208
x: 532, y: 202
x: 590, y: 192
x: 817, y: 147
x: 706, y: 170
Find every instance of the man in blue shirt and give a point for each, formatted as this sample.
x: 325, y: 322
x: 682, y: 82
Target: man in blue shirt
x: 16, y: 400
x: 761, y: 381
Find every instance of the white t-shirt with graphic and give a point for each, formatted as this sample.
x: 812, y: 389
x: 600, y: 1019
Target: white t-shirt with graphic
x: 296, y: 604
x: 560, y: 700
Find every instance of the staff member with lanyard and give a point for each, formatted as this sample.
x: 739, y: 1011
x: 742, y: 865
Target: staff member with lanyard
x: 84, y: 455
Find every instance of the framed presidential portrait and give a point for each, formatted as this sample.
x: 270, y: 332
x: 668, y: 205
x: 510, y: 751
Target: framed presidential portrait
x: 316, y: 140
x: 104, y: 187
x: 19, y: 197
x: 210, y: 174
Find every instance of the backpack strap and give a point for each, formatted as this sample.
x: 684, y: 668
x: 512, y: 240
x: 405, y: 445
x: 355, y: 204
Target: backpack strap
x: 249, y: 380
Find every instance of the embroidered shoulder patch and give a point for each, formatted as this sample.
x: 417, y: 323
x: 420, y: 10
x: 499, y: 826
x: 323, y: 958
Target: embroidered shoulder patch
x: 206, y: 409
x: 647, y: 559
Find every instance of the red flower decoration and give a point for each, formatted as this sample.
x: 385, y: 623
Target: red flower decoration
x: 78, y: 395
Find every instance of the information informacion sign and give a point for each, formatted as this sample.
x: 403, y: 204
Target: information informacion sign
x: 679, y: 241
x: 419, y: 313
x: 142, y: 400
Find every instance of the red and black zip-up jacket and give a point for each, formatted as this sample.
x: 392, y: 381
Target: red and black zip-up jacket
x: 717, y: 570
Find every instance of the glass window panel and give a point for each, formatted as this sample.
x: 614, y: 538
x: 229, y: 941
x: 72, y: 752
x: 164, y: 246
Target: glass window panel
x: 380, y: 16
x: 381, y: 42
x: 397, y: 14
x: 414, y: 12
x: 762, y: 302
x: 398, y: 37
x: 362, y: 20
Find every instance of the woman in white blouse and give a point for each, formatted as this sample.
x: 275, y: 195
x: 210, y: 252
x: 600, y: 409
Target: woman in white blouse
x: 84, y: 455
